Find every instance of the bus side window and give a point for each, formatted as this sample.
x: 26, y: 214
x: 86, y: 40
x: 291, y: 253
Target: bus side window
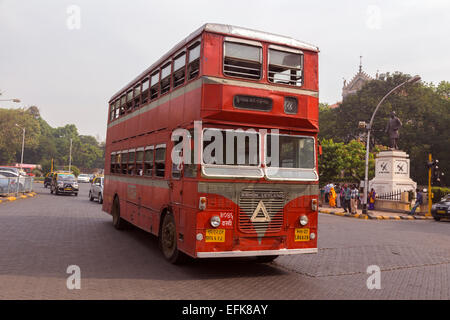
x: 139, y: 161
x: 123, y: 102
x: 113, y: 162
x: 117, y: 109
x: 160, y: 160
x: 112, y: 112
x: 179, y: 70
x: 124, y: 162
x: 165, y: 77
x: 129, y: 100
x: 144, y: 94
x: 194, y: 61
x: 148, y: 162
x: 137, y: 96
x: 131, y: 164
x: 154, y: 82
x: 176, y: 172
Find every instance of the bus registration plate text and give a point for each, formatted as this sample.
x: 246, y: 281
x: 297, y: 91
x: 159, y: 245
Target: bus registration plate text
x: 215, y: 235
x: 302, y: 234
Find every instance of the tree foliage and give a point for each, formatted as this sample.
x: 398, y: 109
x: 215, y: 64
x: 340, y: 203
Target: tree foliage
x: 424, y: 110
x: 42, y: 142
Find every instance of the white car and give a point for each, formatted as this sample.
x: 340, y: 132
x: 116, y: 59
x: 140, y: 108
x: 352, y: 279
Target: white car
x: 96, y: 191
x: 84, y: 178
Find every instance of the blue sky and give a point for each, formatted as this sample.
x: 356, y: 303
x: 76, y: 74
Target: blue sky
x: 71, y: 73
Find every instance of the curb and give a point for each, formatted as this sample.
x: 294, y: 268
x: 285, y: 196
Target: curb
x: 373, y: 217
x: 24, y: 196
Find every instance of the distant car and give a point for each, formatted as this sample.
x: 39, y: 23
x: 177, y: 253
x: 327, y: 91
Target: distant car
x: 441, y: 209
x: 64, y: 183
x: 14, y: 176
x: 84, y: 178
x: 96, y: 191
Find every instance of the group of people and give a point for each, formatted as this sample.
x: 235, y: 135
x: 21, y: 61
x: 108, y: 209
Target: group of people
x: 347, y: 197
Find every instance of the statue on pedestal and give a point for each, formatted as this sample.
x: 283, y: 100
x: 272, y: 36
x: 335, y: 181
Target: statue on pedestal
x: 392, y: 127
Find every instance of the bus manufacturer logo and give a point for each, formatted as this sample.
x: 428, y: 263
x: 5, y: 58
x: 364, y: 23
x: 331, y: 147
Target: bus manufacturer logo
x: 260, y: 207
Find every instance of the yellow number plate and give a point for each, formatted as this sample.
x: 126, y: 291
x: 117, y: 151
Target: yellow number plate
x: 441, y: 211
x: 215, y: 235
x: 302, y: 234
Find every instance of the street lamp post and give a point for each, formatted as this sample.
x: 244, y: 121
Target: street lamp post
x: 21, y: 158
x: 369, y: 127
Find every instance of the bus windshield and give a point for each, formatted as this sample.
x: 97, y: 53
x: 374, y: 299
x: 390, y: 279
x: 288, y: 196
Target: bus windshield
x: 231, y: 153
x: 290, y: 157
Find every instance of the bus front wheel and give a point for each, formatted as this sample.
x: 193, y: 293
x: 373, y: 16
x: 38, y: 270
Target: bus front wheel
x: 168, y: 240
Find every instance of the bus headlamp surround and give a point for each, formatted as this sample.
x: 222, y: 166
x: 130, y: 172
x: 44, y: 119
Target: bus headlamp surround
x: 303, y: 220
x: 215, y: 221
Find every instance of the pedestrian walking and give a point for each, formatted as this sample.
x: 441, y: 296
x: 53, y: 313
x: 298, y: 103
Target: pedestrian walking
x: 346, y: 196
x: 419, y: 201
x: 332, y: 198
x: 354, y: 195
x: 338, y: 195
x: 371, y: 198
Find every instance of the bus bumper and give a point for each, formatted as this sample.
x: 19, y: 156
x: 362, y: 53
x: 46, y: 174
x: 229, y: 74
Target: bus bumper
x: 254, y: 253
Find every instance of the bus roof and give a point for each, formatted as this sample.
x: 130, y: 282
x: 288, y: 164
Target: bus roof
x: 227, y: 30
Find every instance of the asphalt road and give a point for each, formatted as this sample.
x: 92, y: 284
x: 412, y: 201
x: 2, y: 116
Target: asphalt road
x: 40, y: 237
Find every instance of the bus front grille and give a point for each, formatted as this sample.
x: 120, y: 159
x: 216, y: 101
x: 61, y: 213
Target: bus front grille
x: 258, y: 218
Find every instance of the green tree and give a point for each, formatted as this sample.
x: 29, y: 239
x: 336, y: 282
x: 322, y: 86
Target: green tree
x: 423, y: 109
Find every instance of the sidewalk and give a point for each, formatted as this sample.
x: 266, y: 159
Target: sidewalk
x: 372, y: 214
x: 13, y: 198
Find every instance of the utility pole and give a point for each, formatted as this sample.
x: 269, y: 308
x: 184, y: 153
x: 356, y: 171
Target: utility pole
x: 70, y: 156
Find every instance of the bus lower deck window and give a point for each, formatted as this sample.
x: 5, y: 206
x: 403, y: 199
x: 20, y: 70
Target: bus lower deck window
x: 139, y: 161
x: 124, y: 163
x: 148, y: 163
x: 131, y: 159
x: 160, y: 161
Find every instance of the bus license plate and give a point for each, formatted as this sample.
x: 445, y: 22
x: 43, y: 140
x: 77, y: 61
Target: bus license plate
x: 302, y: 234
x: 215, y: 235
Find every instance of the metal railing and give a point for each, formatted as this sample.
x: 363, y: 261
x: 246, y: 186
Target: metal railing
x: 10, y: 186
x: 393, y: 195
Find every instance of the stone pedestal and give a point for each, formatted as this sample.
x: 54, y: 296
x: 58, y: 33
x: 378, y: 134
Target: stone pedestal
x: 392, y: 172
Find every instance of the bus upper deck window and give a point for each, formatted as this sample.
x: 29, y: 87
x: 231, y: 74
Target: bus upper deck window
x: 144, y: 94
x: 129, y: 100
x: 179, y: 70
x: 154, y: 82
x: 242, y: 60
x: 117, y: 109
x: 194, y: 61
x: 123, y: 102
x: 137, y: 96
x: 285, y: 67
x: 165, y: 78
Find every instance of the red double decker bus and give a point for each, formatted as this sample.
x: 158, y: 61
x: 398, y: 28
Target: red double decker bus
x: 246, y: 104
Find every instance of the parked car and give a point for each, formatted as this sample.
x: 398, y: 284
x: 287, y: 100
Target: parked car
x: 84, y: 178
x: 96, y: 191
x: 441, y: 209
x: 64, y: 183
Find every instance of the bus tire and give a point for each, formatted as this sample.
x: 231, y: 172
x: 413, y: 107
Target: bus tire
x: 265, y: 259
x: 118, y: 222
x: 168, y: 240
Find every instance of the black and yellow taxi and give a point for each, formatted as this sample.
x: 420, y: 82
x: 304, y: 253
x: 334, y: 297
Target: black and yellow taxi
x: 64, y: 183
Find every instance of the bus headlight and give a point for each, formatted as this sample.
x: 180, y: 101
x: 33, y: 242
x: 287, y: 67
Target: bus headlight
x: 215, y: 221
x: 303, y: 220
